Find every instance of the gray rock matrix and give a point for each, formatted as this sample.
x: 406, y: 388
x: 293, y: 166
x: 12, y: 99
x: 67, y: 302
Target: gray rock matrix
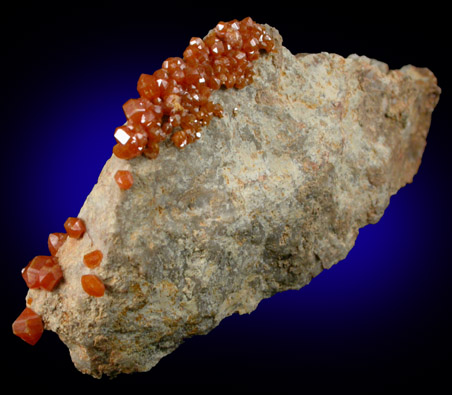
x: 273, y: 193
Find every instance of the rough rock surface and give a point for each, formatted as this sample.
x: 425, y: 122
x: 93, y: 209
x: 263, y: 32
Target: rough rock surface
x: 272, y: 194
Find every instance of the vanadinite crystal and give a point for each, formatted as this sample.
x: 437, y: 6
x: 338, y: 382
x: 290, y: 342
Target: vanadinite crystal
x: 75, y: 227
x: 174, y: 101
x: 124, y: 179
x: 93, y: 285
x: 28, y: 326
x: 42, y: 272
x: 55, y: 241
x: 93, y: 259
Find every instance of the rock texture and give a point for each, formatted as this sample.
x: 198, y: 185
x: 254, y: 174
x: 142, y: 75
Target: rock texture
x: 272, y: 194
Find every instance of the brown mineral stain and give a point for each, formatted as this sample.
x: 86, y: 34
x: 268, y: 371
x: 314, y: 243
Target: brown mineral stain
x: 169, y: 289
x: 309, y: 165
x: 172, y: 324
x: 135, y: 288
x: 192, y: 331
x: 284, y: 236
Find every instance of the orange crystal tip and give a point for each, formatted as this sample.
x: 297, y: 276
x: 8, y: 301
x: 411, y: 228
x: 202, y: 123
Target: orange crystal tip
x: 93, y: 259
x: 42, y: 272
x: 50, y: 275
x: 28, y: 326
x: 55, y: 241
x: 75, y: 227
x: 124, y: 179
x: 31, y: 272
x: 93, y: 285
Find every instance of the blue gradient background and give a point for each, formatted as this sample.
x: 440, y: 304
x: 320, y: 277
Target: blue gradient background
x: 379, y: 320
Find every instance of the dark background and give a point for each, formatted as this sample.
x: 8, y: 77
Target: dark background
x: 380, y: 320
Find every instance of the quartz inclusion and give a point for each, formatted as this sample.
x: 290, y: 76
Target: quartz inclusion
x: 273, y: 193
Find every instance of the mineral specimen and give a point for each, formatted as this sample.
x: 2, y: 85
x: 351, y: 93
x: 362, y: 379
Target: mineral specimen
x: 274, y: 192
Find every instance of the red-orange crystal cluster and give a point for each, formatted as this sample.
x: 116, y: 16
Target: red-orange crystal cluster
x: 28, y: 326
x: 174, y: 101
